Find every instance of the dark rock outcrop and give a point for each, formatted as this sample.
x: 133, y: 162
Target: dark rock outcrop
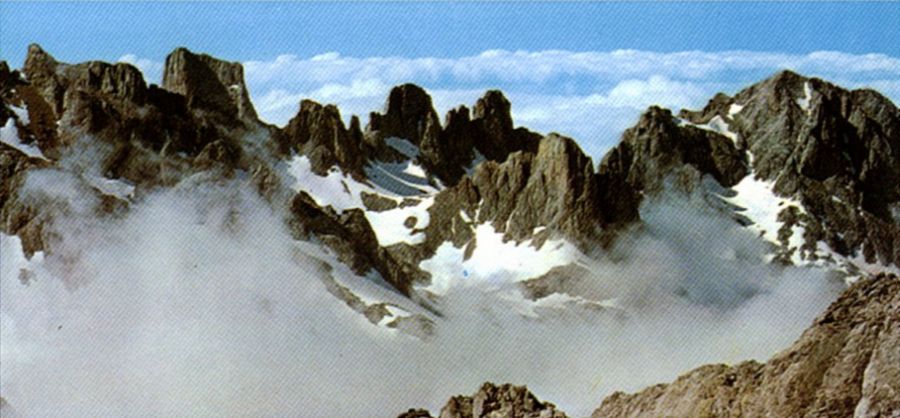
x: 495, y: 135
x: 24, y: 219
x: 415, y: 413
x: 377, y: 203
x: 846, y: 364
x: 492, y: 401
x: 656, y: 146
x: 554, y: 192
x: 209, y: 84
x: 408, y: 114
x: 569, y: 279
x: 104, y: 118
x: 318, y: 132
x: 554, y: 188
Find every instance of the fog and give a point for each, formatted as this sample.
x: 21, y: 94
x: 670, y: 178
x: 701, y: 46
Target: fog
x: 197, y: 302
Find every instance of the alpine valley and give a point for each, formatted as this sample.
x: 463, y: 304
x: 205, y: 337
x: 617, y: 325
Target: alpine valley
x: 167, y: 253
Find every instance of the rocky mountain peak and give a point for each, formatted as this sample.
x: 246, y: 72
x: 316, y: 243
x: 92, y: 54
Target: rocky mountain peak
x: 41, y: 71
x: 494, y: 401
x: 554, y: 188
x: 318, y: 132
x: 209, y: 83
x: 408, y: 114
x: 494, y: 109
x: 497, y: 136
x: 37, y: 59
x: 835, y: 151
x: 448, y: 152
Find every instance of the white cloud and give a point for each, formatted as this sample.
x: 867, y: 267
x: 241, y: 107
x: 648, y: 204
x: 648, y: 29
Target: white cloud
x: 591, y: 96
x: 198, y: 302
x: 536, y: 67
x: 152, y: 69
x: 655, y: 90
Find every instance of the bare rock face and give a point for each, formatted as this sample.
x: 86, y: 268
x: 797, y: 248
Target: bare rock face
x: 319, y: 133
x: 555, y: 188
x: 23, y: 219
x: 105, y: 119
x: 415, y: 413
x: 492, y: 401
x: 846, y: 364
x: 834, y: 150
x: 656, y: 146
x: 209, y: 84
x: 454, y: 151
x: 408, y: 114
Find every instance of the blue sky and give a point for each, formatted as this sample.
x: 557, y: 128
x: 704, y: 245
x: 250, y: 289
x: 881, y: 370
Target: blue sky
x: 585, y: 69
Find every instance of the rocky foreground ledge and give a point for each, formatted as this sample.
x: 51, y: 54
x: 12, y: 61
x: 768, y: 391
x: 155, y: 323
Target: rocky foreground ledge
x: 847, y: 364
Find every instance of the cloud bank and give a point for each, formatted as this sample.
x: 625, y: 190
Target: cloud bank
x: 591, y: 96
x: 199, y: 303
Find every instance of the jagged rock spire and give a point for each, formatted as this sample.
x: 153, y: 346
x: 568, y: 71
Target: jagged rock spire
x: 318, y: 132
x: 408, y: 114
x: 209, y: 83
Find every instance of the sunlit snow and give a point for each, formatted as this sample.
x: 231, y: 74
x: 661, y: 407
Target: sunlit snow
x: 9, y: 135
x: 807, y: 96
x: 495, y: 261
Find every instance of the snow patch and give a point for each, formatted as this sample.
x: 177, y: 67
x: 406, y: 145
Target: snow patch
x: 761, y: 205
x: 716, y: 124
x: 807, y: 96
x: 415, y: 170
x: 404, y: 178
x: 342, y: 192
x: 21, y: 114
x: 371, y: 289
x: 389, y: 225
x: 403, y: 146
x: 335, y: 189
x: 495, y: 261
x: 120, y: 189
x: 734, y: 109
x: 9, y: 135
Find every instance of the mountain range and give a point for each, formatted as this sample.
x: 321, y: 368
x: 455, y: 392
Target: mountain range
x: 397, y: 215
